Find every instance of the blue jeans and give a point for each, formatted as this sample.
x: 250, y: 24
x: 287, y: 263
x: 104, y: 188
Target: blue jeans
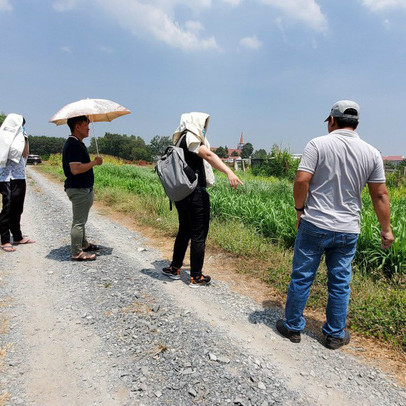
x: 339, y: 248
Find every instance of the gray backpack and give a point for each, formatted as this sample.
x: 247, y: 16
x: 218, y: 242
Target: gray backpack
x: 177, y: 177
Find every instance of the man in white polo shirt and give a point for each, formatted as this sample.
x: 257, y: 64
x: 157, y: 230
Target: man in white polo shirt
x: 332, y: 173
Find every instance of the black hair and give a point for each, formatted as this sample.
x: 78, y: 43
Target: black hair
x: 23, y: 120
x: 348, y: 121
x: 76, y: 120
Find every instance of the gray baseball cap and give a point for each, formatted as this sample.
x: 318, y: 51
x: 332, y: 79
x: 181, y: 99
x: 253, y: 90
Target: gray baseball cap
x: 339, y: 108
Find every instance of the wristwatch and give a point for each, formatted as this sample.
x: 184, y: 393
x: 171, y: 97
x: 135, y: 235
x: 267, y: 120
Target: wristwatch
x: 301, y: 209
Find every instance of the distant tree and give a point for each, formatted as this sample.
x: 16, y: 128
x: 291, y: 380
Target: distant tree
x: 110, y: 144
x: 45, y: 146
x: 260, y: 154
x: 275, y: 149
x: 158, y: 145
x: 281, y: 165
x: 122, y: 146
x: 226, y: 149
x: 140, y: 154
x: 247, y: 150
x: 2, y: 118
x: 137, y: 143
x: 234, y: 153
x: 221, y: 152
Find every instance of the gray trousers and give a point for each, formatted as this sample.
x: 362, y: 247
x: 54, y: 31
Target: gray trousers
x: 82, y: 200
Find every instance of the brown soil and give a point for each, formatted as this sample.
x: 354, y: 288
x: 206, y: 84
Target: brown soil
x: 371, y: 351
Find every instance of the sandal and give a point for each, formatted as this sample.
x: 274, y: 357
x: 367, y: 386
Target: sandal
x: 8, y: 248
x: 24, y: 241
x: 91, y: 247
x: 84, y: 257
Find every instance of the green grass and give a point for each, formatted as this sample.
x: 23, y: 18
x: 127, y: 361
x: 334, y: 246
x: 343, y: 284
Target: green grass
x: 256, y: 224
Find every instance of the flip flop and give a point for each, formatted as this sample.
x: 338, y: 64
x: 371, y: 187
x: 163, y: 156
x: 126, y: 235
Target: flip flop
x: 8, y: 248
x: 84, y: 257
x: 27, y: 241
x: 91, y: 247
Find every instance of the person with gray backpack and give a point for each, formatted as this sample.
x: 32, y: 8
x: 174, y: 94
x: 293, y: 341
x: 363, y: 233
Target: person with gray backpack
x: 194, y: 208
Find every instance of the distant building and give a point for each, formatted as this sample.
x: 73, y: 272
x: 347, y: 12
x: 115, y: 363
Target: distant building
x: 234, y: 152
x: 241, y: 143
x: 393, y: 159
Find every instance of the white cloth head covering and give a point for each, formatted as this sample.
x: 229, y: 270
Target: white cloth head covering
x: 195, y: 123
x: 12, y: 139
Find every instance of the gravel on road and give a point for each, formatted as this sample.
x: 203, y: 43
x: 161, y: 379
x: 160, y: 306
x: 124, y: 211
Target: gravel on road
x: 116, y: 331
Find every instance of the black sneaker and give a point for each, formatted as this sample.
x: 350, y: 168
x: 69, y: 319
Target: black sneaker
x: 199, y: 281
x: 171, y: 272
x: 293, y: 336
x: 332, y: 343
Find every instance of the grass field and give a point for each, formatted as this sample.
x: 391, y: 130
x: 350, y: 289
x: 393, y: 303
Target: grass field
x: 257, y: 223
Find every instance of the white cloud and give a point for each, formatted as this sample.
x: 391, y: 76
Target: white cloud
x: 251, y: 43
x: 307, y: 11
x: 107, y: 50
x: 5, y: 5
x: 64, y: 5
x: 387, y: 24
x: 233, y: 2
x: 169, y: 5
x: 155, y: 19
x: 377, y: 5
x: 194, y: 26
x: 279, y: 23
x: 66, y: 49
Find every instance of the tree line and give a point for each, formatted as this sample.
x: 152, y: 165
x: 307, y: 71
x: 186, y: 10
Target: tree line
x: 131, y: 148
x: 134, y: 148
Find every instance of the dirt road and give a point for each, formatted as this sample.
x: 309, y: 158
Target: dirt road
x: 117, y: 332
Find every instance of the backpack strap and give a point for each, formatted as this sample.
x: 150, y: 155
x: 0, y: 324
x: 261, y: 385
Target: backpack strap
x: 183, y: 135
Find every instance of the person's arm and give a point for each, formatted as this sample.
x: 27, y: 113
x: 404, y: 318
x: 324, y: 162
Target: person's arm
x: 77, y: 168
x: 300, y: 190
x: 380, y: 201
x: 26, y: 149
x: 217, y: 163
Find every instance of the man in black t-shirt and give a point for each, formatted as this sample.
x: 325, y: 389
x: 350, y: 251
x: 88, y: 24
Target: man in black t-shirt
x: 78, y: 169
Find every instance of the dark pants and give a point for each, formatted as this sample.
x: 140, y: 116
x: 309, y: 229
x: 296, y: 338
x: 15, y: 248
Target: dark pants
x: 194, y: 217
x: 13, y: 195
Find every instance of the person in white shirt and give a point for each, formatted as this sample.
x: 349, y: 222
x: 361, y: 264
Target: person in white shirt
x: 12, y: 189
x: 332, y: 173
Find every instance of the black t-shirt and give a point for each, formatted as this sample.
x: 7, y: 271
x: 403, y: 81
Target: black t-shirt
x: 75, y: 151
x: 195, y: 162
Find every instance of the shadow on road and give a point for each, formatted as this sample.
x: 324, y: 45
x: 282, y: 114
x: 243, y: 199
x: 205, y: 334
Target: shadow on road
x: 156, y: 273
x: 63, y: 253
x: 272, y: 312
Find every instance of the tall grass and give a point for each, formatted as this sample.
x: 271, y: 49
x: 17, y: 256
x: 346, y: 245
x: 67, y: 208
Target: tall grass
x: 267, y: 206
x: 246, y: 222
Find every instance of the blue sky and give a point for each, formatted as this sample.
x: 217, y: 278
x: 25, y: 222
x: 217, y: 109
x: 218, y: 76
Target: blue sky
x: 269, y: 68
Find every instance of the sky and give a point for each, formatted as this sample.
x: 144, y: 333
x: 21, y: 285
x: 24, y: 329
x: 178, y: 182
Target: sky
x: 271, y: 69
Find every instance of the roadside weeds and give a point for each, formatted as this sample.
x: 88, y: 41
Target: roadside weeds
x: 262, y: 274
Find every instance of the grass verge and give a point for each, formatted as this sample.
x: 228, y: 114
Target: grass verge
x: 378, y: 304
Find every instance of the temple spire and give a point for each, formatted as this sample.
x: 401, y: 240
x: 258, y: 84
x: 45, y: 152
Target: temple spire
x: 241, y: 143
